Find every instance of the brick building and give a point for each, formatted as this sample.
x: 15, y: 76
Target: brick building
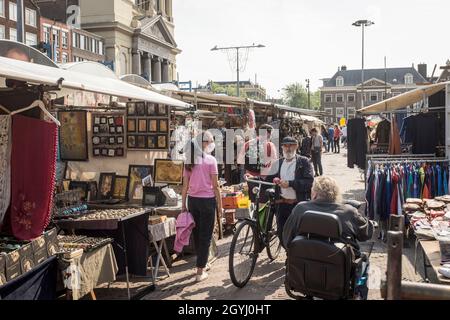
x: 59, y: 37
x: 9, y: 17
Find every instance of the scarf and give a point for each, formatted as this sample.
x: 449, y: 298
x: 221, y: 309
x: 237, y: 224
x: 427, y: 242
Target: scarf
x: 5, y: 161
x: 33, y: 167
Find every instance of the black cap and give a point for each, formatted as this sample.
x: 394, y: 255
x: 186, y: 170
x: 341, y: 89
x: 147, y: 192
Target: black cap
x: 289, y: 140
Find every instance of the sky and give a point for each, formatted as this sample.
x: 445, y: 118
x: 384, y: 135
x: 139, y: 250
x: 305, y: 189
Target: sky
x: 306, y: 39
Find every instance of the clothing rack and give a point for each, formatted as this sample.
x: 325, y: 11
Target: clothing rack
x: 435, y: 160
x: 400, y: 156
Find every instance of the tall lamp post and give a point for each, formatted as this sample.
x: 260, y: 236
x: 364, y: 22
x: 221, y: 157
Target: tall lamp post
x: 237, y: 59
x: 309, y: 93
x: 363, y: 24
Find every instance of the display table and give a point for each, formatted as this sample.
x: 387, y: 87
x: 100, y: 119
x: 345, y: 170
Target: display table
x: 432, y: 260
x: 85, y: 272
x: 37, y: 284
x: 157, y: 234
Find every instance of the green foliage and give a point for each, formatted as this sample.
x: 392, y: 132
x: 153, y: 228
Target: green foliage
x: 296, y: 95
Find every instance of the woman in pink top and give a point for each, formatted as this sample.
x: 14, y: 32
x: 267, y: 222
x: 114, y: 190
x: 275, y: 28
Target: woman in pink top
x: 201, y: 189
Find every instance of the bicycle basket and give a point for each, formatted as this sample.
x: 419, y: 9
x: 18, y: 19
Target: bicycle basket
x: 262, y: 216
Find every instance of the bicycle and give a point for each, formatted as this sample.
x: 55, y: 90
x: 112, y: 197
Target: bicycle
x: 252, y: 236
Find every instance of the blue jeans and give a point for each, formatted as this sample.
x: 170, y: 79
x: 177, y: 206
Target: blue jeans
x: 330, y: 146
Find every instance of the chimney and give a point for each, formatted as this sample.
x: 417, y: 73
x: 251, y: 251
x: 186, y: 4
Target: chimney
x: 344, y: 68
x: 422, y: 69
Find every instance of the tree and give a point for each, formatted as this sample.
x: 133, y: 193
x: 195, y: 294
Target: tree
x: 296, y: 95
x: 229, y: 90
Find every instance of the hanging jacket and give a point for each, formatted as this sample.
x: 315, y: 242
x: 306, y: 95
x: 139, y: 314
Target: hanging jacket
x: 185, y: 223
x: 444, y: 174
x: 439, y: 181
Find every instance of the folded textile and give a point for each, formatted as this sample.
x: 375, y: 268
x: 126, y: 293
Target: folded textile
x: 33, y: 168
x: 185, y: 224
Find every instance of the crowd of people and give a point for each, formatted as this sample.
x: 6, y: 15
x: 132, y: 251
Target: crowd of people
x: 297, y: 172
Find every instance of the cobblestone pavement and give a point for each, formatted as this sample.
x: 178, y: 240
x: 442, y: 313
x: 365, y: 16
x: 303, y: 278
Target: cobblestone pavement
x: 268, y: 278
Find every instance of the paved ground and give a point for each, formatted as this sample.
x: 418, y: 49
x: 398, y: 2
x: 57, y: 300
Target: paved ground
x: 268, y: 278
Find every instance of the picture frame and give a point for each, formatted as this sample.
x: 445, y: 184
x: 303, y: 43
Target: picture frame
x: 120, y: 152
x: 134, y: 186
x: 153, y: 125
x: 97, y: 152
x: 119, y: 129
x: 131, y: 142
x: 141, y: 142
x: 83, y: 185
x: 73, y: 137
x: 142, y: 125
x: 111, y: 121
x: 111, y: 152
x: 118, y: 121
x: 104, y: 152
x: 153, y: 197
x: 103, y: 140
x: 112, y: 140
x: 169, y: 171
x: 131, y: 108
x: 112, y: 130
x: 151, y: 110
x: 96, y: 120
x: 93, y: 190
x: 163, y: 126
x: 96, y: 140
x: 162, y: 110
x: 119, y: 140
x: 106, y: 185
x: 104, y: 129
x: 131, y: 125
x: 162, y: 142
x: 152, y: 142
x: 120, y: 187
x: 140, y: 109
x: 96, y: 129
x: 103, y: 120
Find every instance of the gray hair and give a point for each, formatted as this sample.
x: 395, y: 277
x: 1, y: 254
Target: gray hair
x: 326, y: 189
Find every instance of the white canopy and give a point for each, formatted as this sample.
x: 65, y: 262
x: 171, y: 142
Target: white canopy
x: 39, y: 74
x: 405, y: 99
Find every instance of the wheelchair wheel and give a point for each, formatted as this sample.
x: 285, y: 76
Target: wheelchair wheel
x: 273, y: 244
x: 243, y: 254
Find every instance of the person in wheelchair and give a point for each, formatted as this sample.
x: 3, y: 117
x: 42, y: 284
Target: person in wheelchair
x: 326, y: 197
x: 321, y: 240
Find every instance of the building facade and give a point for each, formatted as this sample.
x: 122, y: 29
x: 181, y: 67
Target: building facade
x: 341, y: 94
x: 9, y: 17
x: 138, y: 34
x: 58, y: 38
x: 87, y: 46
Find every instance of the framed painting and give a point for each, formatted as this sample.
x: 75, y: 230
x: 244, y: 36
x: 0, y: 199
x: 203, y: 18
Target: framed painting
x: 73, y: 144
x: 140, y: 109
x: 162, y: 142
x: 120, y: 187
x: 140, y: 142
x: 151, y: 110
x: 142, y: 125
x: 83, y: 185
x: 131, y: 108
x: 169, y: 171
x: 106, y: 185
x: 135, y: 189
x: 162, y: 110
x: 131, y: 125
x: 152, y: 142
x: 163, y: 126
x: 131, y: 142
x: 153, y: 125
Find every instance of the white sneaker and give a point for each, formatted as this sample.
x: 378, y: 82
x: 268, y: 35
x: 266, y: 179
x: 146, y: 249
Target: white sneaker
x: 207, y: 267
x: 201, y: 277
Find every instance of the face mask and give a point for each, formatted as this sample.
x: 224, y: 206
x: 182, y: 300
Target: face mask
x: 288, y: 154
x: 210, y: 148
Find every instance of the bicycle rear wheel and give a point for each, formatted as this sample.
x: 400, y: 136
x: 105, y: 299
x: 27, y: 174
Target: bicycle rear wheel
x: 243, y: 254
x: 273, y: 244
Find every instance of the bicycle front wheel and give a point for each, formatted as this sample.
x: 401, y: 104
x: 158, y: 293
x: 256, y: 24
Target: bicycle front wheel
x: 273, y: 244
x: 243, y: 254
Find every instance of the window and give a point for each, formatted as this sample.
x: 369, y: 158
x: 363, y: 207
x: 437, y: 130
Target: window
x: 2, y: 8
x: 339, y: 81
x: 57, y: 56
x: 340, y: 113
x: 81, y: 42
x: 65, y: 39
x: 31, y: 39
x: 339, y: 97
x: 351, y: 97
x: 328, y: 98
x: 409, y: 78
x: 351, y: 112
x: 2, y: 32
x: 373, y: 97
x: 13, y: 34
x: 30, y: 17
x: 65, y: 58
x: 47, y: 34
x: 12, y: 12
x: 56, y: 38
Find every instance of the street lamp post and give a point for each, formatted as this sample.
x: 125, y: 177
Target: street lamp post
x: 237, y: 59
x: 309, y: 93
x: 363, y: 24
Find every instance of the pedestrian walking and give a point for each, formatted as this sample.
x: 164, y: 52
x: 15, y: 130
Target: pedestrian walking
x: 337, y: 138
x: 201, y: 189
x: 330, y: 147
x: 305, y: 149
x: 324, y: 133
x: 316, y: 152
x: 344, y: 136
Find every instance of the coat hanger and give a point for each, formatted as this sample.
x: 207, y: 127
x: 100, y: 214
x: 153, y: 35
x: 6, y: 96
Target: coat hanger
x: 4, y: 109
x: 40, y: 104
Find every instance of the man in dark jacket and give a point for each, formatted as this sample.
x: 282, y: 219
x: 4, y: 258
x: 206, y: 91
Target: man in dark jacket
x: 295, y: 178
x: 326, y: 198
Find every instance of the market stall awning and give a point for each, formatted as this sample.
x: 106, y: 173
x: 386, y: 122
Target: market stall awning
x: 311, y: 119
x: 405, y: 99
x: 299, y: 110
x: 39, y: 74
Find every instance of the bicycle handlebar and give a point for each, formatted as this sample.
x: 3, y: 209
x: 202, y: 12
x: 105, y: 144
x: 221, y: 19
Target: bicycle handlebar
x: 261, y: 182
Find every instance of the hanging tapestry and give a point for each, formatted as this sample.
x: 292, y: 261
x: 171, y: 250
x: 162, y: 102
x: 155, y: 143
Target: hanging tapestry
x: 33, y: 167
x: 5, y: 169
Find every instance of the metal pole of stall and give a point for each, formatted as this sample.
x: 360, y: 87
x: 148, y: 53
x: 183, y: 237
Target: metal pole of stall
x: 394, y: 265
x: 126, y: 259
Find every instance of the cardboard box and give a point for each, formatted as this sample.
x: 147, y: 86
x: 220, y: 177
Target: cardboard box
x: 13, y: 269
x: 51, y: 242
x: 39, y: 250
x: 26, y: 258
x: 2, y: 269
